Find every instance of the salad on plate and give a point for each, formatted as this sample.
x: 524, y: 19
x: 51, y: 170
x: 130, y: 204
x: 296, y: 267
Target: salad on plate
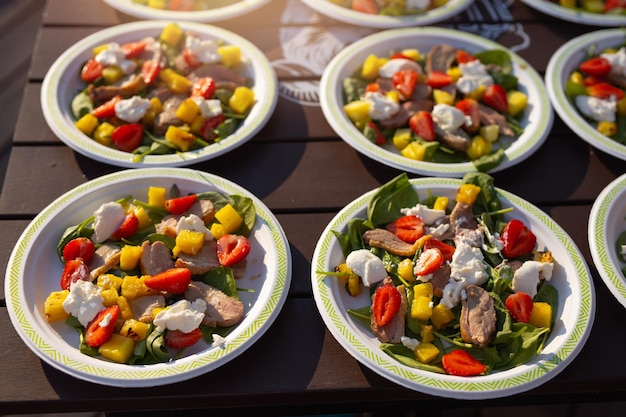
x: 390, y: 7
x: 614, y: 7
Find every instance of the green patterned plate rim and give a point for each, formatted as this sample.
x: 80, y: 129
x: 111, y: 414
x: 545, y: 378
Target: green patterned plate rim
x: 576, y: 16
x: 571, y: 276
x: 268, y: 276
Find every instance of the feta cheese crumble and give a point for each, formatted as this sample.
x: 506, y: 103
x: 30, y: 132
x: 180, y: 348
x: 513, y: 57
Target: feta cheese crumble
x: 366, y: 265
x: 381, y: 107
x: 132, y: 109
x: 107, y: 219
x: 183, y: 315
x: 84, y: 301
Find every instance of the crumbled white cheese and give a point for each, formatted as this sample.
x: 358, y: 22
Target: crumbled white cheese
x: 366, y: 265
x: 113, y: 54
x: 107, y: 219
x: 474, y: 75
x: 194, y: 223
x: 447, y: 117
x: 467, y: 268
x: 596, y: 108
x: 409, y: 342
x: 381, y: 107
x: 218, y: 340
x: 617, y: 61
x: 208, y: 108
x: 428, y: 215
x: 132, y: 109
x: 84, y: 301
x: 438, y: 231
x: 182, y: 315
x: 527, y: 277
x: 391, y: 67
x: 204, y: 50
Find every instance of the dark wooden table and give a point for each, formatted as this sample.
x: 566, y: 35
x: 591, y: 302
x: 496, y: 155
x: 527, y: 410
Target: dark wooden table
x: 304, y: 173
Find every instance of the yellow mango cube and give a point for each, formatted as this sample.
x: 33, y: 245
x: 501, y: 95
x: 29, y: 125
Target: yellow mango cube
x: 229, y: 218
x: 426, y: 333
x: 189, y: 242
x: 443, y: 97
x: 188, y: 111
x: 118, y: 348
x: 180, y: 138
x: 242, y: 100
x: 87, y: 124
x: 517, y: 102
x: 541, y: 314
x: 414, y: 150
x: 174, y: 81
x: 135, y: 330
x: 134, y: 287
x: 401, y: 138
x: 126, y: 312
x: 467, y: 193
x: 157, y: 196
x: 426, y: 352
x: 106, y: 281
x: 370, y: 68
x: 441, y: 203
x: 479, y: 146
x: 423, y: 289
x: 412, y: 53
x: 405, y: 270
x: 441, y: 316
x: 478, y: 93
x: 129, y: 257
x: 112, y: 74
x: 218, y: 230
x: 358, y: 112
x: 142, y: 216
x: 231, y: 55
x: 109, y: 297
x: 490, y: 132
x: 421, y: 308
x: 53, y: 306
x: 171, y: 34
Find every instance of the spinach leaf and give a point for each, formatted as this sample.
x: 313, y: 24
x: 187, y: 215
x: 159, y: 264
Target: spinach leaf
x: 385, y: 205
x: 223, y: 279
x: 362, y: 315
x: 497, y: 57
x: 489, y: 161
x: 81, y: 105
x: 406, y: 356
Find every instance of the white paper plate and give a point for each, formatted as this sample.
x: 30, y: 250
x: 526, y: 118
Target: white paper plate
x: 567, y: 59
x: 211, y: 15
x: 34, y: 271
x: 571, y: 278
x: 62, y: 83
x: 607, y: 221
x: 343, y: 14
x: 576, y: 16
x: 537, y: 119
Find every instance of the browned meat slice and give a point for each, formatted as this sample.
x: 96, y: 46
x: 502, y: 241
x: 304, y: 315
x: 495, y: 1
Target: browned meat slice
x: 167, y: 226
x: 478, y: 317
x: 105, y: 258
x: 440, y: 279
x: 203, y: 209
x: 458, y: 140
x: 167, y: 117
x: 142, y: 307
x: 440, y: 58
x: 206, y: 260
x: 222, y: 310
x: 407, y: 109
x: 462, y: 217
x: 106, y: 92
x: 617, y: 79
x: 489, y: 116
x: 155, y: 258
x: 384, y: 239
x: 393, y: 331
x: 219, y: 73
x: 162, y: 93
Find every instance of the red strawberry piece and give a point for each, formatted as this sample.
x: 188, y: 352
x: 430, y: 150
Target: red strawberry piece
x: 438, y: 79
x: 80, y: 247
x: 461, y: 363
x: 386, y: 304
x: 107, y: 109
x: 128, y: 228
x: 518, y: 240
x: 232, y: 249
x: 100, y: 329
x: 74, y: 270
x: 128, y: 137
x: 407, y: 228
x: 404, y: 81
x: 471, y: 108
x: 179, y: 205
x: 520, y: 305
x: 179, y: 340
x: 428, y: 262
x: 463, y: 57
x: 597, y: 67
x: 173, y: 281
x: 495, y: 97
x: 422, y: 124
x: 446, y: 250
x: 606, y: 91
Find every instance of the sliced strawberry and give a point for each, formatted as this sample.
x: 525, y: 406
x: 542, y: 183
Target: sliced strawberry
x: 80, y: 247
x: 461, y: 363
x: 203, y: 87
x: 438, y: 79
x: 91, y: 71
x: 128, y: 228
x: 405, y: 81
x: 463, y: 57
x: 606, y: 91
x: 598, y: 67
x: 179, y: 205
x: 614, y: 5
x: 376, y: 134
x: 173, y: 280
x: 518, y: 240
x: 74, y: 270
x: 422, y: 124
x: 495, y: 97
x: 107, y: 110
x: 191, y: 59
x: 400, y: 55
x: 150, y: 71
x: 100, y: 329
x: 372, y: 88
x: 428, y: 262
x: 470, y: 108
x: 386, y: 304
x: 133, y: 49
x: 128, y: 137
x: 179, y: 340
x: 407, y: 228
x: 520, y: 305
x: 364, y: 6
x: 232, y: 249
x: 446, y: 250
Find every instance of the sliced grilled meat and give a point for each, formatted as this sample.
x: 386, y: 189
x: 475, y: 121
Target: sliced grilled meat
x: 478, y: 317
x: 222, y: 310
x: 155, y: 258
x: 393, y: 331
x: 105, y: 258
x: 384, y: 239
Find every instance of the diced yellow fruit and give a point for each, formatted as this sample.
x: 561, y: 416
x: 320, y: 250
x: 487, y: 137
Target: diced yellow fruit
x: 351, y: 280
x: 197, y: 125
x: 607, y: 128
x: 490, y: 132
x: 103, y: 134
x: 577, y: 78
x: 100, y: 48
x: 129, y: 257
x: 217, y: 230
x: 229, y: 218
x: 426, y: 352
x: 443, y: 97
x: 112, y: 74
x: 517, y: 102
x: 156, y: 4
x: 171, y: 34
x: 87, y: 124
x: 477, y: 94
x: 242, y: 100
x: 593, y: 6
x: 439, y: 3
x: 393, y: 95
x: 621, y: 106
x: 126, y: 312
x: 370, y: 68
x: 153, y: 111
x: 142, y: 216
x: 134, y: 287
x: 571, y: 4
x: 109, y: 297
x: 414, y: 150
x: 175, y: 82
x: 135, y: 330
x: 53, y: 306
x: 467, y: 193
x: 358, y: 112
x: 188, y: 110
x: 479, y: 147
x: 118, y: 348
x: 412, y: 53
x: 541, y: 314
x: 157, y: 196
x: 180, y: 138
x: 401, y: 138
x: 421, y: 308
x: 441, y: 203
x: 106, y: 281
x: 405, y: 270
x: 455, y: 73
x: 424, y: 289
x: 426, y: 333
x: 189, y: 242
x: 441, y: 316
x: 231, y: 55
